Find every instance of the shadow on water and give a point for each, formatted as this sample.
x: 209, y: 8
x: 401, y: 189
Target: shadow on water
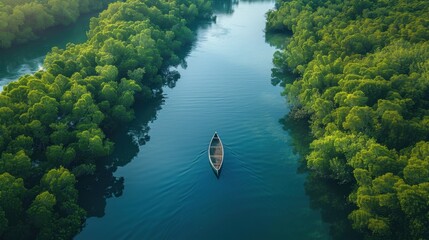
x: 326, y: 196
x: 227, y: 6
x: 277, y: 40
x: 95, y: 189
x: 280, y: 73
x: 224, y: 6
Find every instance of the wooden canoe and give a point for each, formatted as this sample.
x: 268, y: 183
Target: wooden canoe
x: 216, y: 153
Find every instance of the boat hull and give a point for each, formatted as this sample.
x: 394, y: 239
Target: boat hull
x: 216, y: 153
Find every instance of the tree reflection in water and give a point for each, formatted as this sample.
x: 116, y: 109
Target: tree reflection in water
x: 325, y: 195
x: 95, y: 189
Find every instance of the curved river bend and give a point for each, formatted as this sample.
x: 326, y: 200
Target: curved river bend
x: 170, y: 191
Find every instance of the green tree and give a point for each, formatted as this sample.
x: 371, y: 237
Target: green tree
x: 58, y: 155
x: 41, y: 211
x: 18, y: 164
x: 21, y: 142
x: 92, y: 143
x: 60, y: 182
x: 46, y: 110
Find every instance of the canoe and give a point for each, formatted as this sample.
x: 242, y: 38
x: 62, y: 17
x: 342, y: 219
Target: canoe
x: 216, y: 153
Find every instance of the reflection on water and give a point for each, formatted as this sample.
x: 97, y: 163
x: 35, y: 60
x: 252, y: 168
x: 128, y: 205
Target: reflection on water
x: 95, y: 189
x: 277, y: 40
x: 331, y: 199
x: 28, y: 58
x: 224, y: 6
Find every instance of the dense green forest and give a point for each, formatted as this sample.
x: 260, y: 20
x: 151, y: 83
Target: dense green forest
x: 23, y: 20
x: 53, y: 124
x: 362, y: 80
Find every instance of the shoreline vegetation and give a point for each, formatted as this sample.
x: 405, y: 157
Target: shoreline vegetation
x: 54, y: 124
x: 22, y: 21
x: 363, y: 83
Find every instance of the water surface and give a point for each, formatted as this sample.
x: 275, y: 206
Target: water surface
x: 28, y: 58
x: 167, y: 188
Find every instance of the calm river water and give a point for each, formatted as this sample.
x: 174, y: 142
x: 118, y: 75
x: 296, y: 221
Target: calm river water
x: 166, y: 186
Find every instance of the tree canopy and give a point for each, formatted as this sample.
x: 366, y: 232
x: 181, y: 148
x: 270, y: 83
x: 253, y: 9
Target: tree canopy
x: 363, y: 78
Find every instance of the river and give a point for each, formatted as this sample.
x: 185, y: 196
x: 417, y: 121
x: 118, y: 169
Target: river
x: 28, y: 58
x: 166, y: 186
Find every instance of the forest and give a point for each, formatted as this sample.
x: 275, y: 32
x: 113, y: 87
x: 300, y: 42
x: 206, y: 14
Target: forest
x: 54, y: 124
x: 362, y: 81
x: 23, y: 20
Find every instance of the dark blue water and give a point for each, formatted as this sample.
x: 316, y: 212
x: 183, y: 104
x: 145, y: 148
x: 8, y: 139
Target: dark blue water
x: 169, y: 190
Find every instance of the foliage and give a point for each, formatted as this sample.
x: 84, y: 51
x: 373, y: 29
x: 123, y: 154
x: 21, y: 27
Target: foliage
x: 21, y: 21
x: 364, y: 81
x: 54, y: 123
